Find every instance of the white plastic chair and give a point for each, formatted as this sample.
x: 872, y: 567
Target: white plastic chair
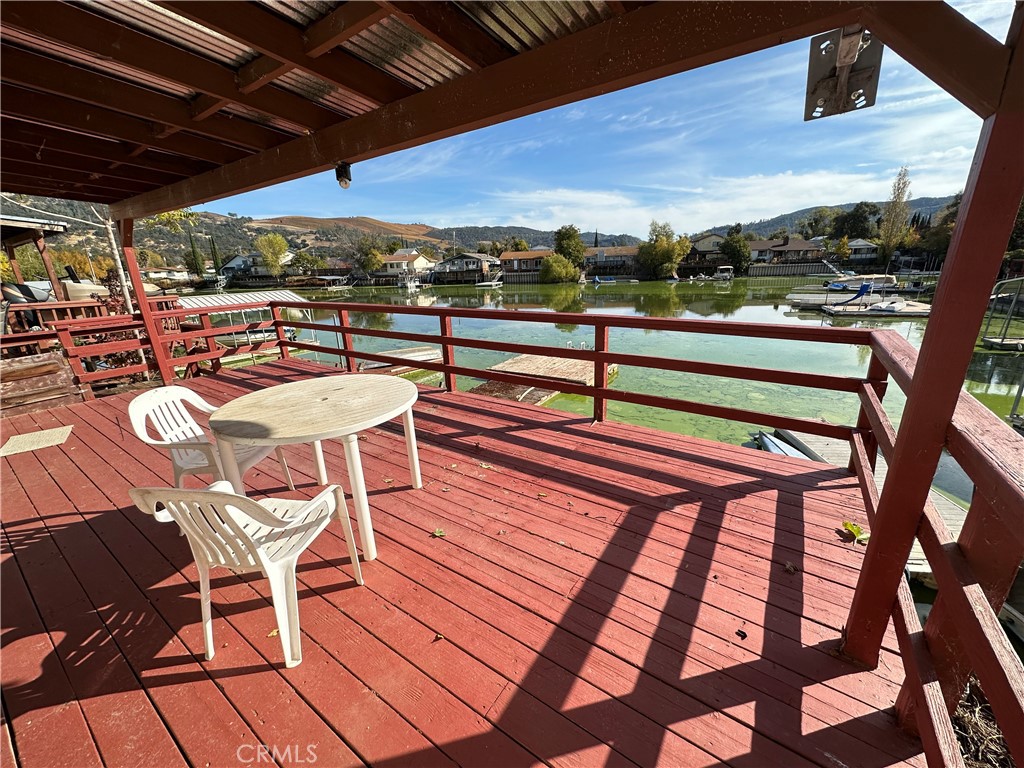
x: 244, y: 535
x: 191, y: 451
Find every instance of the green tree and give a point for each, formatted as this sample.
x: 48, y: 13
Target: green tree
x: 271, y: 247
x: 893, y: 229
x: 859, y: 222
x: 663, y: 251
x: 737, y: 250
x: 569, y: 245
x: 195, y: 262
x: 558, y: 269
x: 735, y: 229
x: 172, y: 220
x: 218, y: 262
x: 779, y: 233
x: 517, y: 244
x: 370, y: 261
x: 307, y: 262
x: 841, y: 248
x: 818, y: 223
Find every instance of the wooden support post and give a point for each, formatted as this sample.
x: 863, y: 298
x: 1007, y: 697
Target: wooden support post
x: 988, y: 548
x: 153, y: 328
x: 346, y: 341
x: 987, y: 214
x: 12, y: 259
x: 600, y: 371
x: 877, y: 376
x: 447, y: 353
x: 44, y: 254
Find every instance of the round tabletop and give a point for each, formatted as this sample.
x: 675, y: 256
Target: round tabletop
x: 313, y: 409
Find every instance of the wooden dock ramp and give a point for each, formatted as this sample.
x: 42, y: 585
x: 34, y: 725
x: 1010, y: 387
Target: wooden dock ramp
x: 555, y: 368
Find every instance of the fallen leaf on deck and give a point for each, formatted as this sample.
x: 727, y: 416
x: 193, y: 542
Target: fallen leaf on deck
x: 438, y: 533
x: 272, y: 633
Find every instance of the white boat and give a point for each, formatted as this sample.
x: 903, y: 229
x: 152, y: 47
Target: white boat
x: 490, y: 284
x: 723, y: 273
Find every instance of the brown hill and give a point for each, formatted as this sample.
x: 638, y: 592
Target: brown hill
x: 360, y: 223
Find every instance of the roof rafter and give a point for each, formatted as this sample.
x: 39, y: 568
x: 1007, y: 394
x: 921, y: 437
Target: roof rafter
x: 342, y: 23
x: 109, y: 40
x: 272, y: 36
x: 454, y: 31
x: 962, y: 58
x: 64, y: 175
x: 639, y: 46
x: 75, y: 115
x: 52, y: 158
x: 41, y: 73
x: 39, y: 137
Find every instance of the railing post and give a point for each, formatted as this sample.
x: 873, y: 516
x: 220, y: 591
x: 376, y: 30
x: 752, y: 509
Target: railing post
x: 282, y: 340
x: 346, y: 341
x: 995, y: 560
x: 209, y: 340
x: 877, y: 376
x: 161, y: 358
x: 600, y: 370
x: 447, y: 352
x: 67, y: 342
x: 990, y: 203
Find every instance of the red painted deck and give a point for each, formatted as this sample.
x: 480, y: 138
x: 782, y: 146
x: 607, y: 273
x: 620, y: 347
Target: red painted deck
x: 603, y: 595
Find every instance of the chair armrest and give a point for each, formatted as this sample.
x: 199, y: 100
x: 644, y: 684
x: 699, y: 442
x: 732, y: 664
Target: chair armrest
x: 294, y: 518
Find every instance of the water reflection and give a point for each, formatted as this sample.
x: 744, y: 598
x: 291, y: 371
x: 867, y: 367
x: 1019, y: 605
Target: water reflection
x: 992, y: 377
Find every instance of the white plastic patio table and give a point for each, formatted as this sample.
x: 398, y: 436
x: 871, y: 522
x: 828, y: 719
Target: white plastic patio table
x: 313, y: 410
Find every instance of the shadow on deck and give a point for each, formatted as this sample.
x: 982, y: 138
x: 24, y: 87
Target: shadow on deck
x: 602, y: 595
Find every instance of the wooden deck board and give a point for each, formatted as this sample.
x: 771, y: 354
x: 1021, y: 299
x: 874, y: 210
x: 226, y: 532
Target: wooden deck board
x: 582, y: 609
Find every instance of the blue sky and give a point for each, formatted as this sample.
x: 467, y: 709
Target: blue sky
x: 721, y: 144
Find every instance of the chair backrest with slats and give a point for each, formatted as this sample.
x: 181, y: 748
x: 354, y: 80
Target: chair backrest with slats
x: 164, y: 410
x: 214, y: 522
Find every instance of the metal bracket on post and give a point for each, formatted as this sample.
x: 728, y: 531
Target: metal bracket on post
x: 843, y: 72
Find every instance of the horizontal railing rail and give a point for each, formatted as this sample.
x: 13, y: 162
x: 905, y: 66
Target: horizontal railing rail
x: 89, y: 342
x: 600, y: 356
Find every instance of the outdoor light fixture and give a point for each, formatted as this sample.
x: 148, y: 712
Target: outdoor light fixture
x: 343, y: 173
x: 842, y: 74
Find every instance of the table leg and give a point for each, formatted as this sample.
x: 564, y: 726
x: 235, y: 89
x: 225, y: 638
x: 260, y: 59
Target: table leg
x: 359, y: 501
x: 318, y: 460
x: 229, y: 465
x: 410, y: 446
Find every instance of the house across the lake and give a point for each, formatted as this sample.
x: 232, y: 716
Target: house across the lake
x: 466, y: 268
x: 407, y: 261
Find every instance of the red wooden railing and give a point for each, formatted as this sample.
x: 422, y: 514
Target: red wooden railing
x: 962, y: 635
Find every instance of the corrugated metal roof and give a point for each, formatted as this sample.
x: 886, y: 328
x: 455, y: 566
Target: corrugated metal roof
x: 313, y: 88
x: 143, y: 16
x: 226, y: 300
x: 301, y: 12
x: 524, y: 26
x: 403, y: 53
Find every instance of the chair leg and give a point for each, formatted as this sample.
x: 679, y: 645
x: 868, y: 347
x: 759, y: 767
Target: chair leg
x: 284, y: 467
x: 286, y: 607
x: 350, y: 539
x: 204, y: 599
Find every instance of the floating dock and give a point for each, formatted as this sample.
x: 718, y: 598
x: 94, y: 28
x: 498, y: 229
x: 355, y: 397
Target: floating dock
x: 541, y: 366
x: 819, y: 300
x: 880, y: 309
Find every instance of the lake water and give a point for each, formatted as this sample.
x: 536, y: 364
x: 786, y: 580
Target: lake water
x: 993, y: 377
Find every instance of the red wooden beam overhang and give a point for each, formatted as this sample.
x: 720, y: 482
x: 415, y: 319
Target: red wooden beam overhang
x: 122, y: 111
